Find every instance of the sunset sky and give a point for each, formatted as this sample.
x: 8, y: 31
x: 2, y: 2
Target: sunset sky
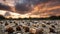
x: 29, y: 8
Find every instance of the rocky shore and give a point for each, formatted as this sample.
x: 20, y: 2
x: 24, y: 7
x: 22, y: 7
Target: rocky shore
x: 30, y: 27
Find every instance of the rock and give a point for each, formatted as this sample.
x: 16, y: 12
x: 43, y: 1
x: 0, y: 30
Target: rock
x: 48, y: 23
x: 32, y: 31
x: 39, y: 31
x: 43, y: 25
x: 35, y: 25
x: 10, y: 22
x: 18, y: 33
x: 56, y: 24
x: 52, y: 30
x: 58, y: 32
x: 1, y: 22
x: 18, y: 28
x: 26, y: 28
x: 10, y: 30
x: 53, y: 26
x: 16, y: 24
x: 6, y: 24
x: 28, y: 24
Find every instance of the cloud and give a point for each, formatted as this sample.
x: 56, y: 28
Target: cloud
x: 22, y: 8
x: 4, y: 7
x: 35, y: 7
x: 27, y: 5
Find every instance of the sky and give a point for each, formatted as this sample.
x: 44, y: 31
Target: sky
x: 30, y: 8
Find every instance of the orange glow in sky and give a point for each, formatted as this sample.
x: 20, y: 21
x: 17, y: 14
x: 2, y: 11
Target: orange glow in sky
x: 43, y: 9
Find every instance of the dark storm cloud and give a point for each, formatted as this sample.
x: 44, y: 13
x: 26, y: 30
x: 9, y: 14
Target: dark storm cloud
x: 23, y: 8
x: 38, y: 1
x: 4, y: 7
x: 26, y: 6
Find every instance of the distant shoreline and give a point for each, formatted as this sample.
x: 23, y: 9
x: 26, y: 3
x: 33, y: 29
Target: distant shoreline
x: 48, y: 18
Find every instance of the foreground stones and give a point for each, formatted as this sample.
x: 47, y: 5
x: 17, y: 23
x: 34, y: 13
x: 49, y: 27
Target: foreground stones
x: 36, y: 31
x: 30, y: 27
x: 9, y: 30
